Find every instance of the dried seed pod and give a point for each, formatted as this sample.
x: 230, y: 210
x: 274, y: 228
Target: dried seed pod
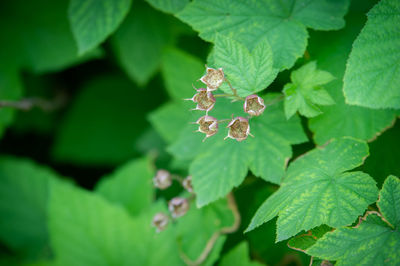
x: 204, y: 99
x: 162, y: 179
x: 187, y: 184
x: 207, y: 125
x: 254, y: 105
x: 239, y: 129
x: 160, y: 221
x: 178, y: 207
x: 213, y: 78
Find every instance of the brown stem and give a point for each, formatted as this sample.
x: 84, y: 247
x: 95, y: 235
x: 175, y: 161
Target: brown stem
x: 234, y: 91
x: 29, y: 103
x: 213, y: 239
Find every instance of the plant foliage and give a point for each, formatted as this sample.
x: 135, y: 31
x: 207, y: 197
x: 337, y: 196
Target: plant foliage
x: 203, y: 132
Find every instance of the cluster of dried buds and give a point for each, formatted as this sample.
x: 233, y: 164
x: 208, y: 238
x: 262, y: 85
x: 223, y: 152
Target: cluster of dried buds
x: 239, y: 127
x: 177, y: 206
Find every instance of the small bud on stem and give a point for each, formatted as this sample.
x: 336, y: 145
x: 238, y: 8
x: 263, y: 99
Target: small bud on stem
x: 208, y: 125
x: 213, y: 78
x: 254, y: 105
x: 187, y: 184
x: 160, y: 221
x: 239, y: 129
x: 178, y: 206
x: 162, y: 179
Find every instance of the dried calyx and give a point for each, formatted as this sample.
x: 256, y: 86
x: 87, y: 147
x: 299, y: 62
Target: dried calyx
x: 204, y: 99
x: 239, y: 129
x: 187, y: 184
x: 162, y: 179
x: 178, y: 206
x: 160, y: 221
x: 254, y: 105
x: 213, y: 78
x: 207, y: 125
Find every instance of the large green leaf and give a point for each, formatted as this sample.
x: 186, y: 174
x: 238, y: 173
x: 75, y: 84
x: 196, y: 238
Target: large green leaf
x: 282, y: 23
x: 130, y: 186
x: 318, y: 189
x: 238, y: 256
x: 197, y: 227
x: 23, y: 199
x: 87, y: 230
x: 331, y: 50
x: 305, y: 93
x: 140, y: 41
x: 102, y: 124
x: 373, y: 241
x: 180, y: 71
x: 249, y: 71
x: 168, y: 6
x: 372, y: 75
x: 170, y: 119
x: 92, y: 21
x: 41, y: 35
x: 220, y: 165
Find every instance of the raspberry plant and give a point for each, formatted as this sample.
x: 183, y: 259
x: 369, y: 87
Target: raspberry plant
x: 202, y: 132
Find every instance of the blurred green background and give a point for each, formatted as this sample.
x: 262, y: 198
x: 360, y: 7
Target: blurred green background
x: 91, y: 115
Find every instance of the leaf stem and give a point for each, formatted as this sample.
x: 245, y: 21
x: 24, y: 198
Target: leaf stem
x: 213, y: 239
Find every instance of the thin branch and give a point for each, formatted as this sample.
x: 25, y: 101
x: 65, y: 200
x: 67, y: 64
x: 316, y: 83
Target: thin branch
x: 29, y: 103
x: 213, y: 239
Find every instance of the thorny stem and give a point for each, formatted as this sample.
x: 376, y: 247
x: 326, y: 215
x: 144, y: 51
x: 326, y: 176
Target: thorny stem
x: 225, y: 230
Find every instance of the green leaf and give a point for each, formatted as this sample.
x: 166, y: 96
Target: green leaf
x: 305, y: 93
x: 249, y: 71
x: 304, y: 241
x: 239, y: 255
x: 102, y: 124
x: 220, y: 165
x: 372, y: 241
x: 372, y: 75
x: 318, y: 189
x: 23, y: 199
x: 283, y: 24
x: 39, y: 36
x: 180, y: 71
x: 92, y: 21
x: 197, y: 227
x: 389, y: 200
x: 140, y: 41
x: 87, y: 230
x: 170, y: 119
x: 168, y: 6
x: 331, y: 50
x: 130, y: 186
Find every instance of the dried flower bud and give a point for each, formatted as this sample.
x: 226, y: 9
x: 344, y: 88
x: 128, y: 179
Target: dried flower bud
x: 239, y: 129
x: 162, y: 179
x: 178, y: 206
x: 213, y: 79
x: 254, y: 105
x: 187, y: 184
x: 204, y: 99
x: 160, y: 221
x: 207, y: 125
